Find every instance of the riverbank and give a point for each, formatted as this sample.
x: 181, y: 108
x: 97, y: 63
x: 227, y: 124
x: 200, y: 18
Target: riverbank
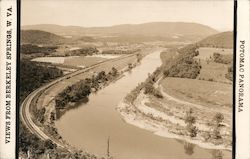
x: 45, y: 101
x: 147, y: 114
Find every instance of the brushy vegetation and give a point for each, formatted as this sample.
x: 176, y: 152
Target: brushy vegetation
x: 229, y: 74
x: 224, y: 59
x: 120, y: 51
x: 83, y: 88
x: 185, y: 66
x: 147, y: 86
x: 83, y: 51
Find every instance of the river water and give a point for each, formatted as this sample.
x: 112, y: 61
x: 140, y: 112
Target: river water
x: 89, y: 126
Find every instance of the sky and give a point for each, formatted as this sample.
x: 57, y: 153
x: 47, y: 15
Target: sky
x: 217, y: 14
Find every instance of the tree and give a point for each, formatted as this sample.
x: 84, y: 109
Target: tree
x: 217, y: 154
x: 149, y: 88
x: 130, y: 66
x: 189, y: 148
x: 114, y: 71
x: 190, y: 121
x: 48, y: 144
x: 139, y: 57
x: 217, y: 120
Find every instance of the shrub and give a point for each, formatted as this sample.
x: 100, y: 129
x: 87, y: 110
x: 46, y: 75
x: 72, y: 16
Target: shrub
x: 217, y: 120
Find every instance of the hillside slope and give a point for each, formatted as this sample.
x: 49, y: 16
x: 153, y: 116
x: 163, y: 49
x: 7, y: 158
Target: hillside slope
x: 220, y: 40
x: 40, y: 37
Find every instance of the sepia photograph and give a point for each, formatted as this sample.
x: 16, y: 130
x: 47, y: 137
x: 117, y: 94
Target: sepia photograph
x: 126, y: 79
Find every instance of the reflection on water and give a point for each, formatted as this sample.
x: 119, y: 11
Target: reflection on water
x: 60, y: 112
x: 89, y: 126
x: 217, y: 154
x: 189, y: 148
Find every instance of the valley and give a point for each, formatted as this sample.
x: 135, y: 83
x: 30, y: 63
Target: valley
x: 143, y: 96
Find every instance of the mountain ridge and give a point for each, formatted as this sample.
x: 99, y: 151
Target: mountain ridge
x: 164, y: 29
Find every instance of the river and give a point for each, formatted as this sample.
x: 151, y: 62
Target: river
x: 89, y: 126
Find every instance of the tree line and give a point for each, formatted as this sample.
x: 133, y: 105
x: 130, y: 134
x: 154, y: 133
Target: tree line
x: 32, y: 76
x: 31, y: 48
x: 185, y: 66
x: 82, y: 89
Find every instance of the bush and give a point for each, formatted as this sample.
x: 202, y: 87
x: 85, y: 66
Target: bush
x: 229, y: 74
x: 217, y: 120
x: 192, y: 130
x: 224, y: 59
x: 150, y: 89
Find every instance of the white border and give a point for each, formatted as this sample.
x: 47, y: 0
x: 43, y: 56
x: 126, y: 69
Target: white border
x: 8, y: 151
x: 242, y: 119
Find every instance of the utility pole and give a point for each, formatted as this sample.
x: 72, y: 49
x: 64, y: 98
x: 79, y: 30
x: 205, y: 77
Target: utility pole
x: 108, y: 151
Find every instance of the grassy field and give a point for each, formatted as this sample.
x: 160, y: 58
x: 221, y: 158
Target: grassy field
x: 207, y: 52
x: 82, y: 61
x: 73, y: 61
x: 213, y: 72
x: 198, y: 91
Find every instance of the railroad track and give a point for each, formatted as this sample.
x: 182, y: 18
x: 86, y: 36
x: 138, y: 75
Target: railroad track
x: 25, y: 106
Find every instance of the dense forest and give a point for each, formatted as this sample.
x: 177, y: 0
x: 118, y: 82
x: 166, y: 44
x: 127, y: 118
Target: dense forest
x: 185, y: 66
x: 38, y: 149
x: 30, y: 48
x: 32, y: 76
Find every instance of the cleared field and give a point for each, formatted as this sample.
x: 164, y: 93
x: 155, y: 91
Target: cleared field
x: 75, y: 61
x: 55, y: 60
x: 207, y: 52
x: 207, y: 93
x: 213, y: 72
x: 82, y: 61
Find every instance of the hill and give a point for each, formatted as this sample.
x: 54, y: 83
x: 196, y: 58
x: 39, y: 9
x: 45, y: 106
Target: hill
x: 40, y: 37
x: 220, y: 40
x: 155, y: 29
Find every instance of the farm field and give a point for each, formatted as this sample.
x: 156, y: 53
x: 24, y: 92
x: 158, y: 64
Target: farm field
x: 74, y: 61
x: 207, y: 93
x: 207, y: 52
x: 213, y: 72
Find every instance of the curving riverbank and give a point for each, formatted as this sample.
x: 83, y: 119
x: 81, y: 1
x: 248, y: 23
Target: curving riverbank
x: 142, y: 113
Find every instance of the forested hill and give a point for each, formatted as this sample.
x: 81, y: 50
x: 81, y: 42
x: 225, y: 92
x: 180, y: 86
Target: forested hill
x: 221, y: 40
x: 40, y: 37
